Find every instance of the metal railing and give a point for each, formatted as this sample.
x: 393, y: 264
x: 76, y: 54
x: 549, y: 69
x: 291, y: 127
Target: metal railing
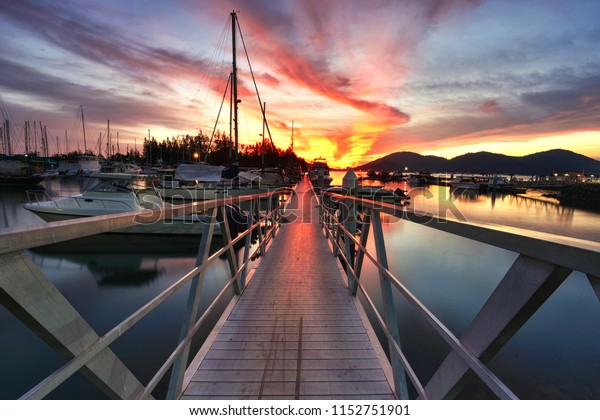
x: 29, y: 295
x: 544, y: 261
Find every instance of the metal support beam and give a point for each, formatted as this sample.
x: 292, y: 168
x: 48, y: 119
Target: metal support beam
x: 227, y: 238
x: 364, y: 236
x: 524, y: 288
x: 248, y: 243
x: 389, y: 310
x: 37, y: 303
x: 350, y: 225
x: 193, y: 307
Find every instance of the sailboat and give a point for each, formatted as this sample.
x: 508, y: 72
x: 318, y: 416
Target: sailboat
x: 85, y: 164
x: 206, y: 182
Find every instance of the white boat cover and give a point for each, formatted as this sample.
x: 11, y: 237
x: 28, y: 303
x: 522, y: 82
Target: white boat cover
x: 250, y: 176
x: 198, y: 172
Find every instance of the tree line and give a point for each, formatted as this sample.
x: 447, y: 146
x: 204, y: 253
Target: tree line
x: 219, y: 151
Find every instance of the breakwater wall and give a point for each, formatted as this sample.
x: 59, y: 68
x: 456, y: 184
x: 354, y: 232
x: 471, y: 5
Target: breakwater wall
x: 581, y: 195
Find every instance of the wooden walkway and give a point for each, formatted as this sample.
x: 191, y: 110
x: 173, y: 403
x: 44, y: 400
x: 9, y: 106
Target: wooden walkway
x: 295, y: 333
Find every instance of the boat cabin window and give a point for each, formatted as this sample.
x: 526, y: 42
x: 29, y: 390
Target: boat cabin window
x: 109, y: 185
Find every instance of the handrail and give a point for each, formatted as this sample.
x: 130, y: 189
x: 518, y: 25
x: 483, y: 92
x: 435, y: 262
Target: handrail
x: 561, y: 254
x: 576, y: 254
x: 14, y: 241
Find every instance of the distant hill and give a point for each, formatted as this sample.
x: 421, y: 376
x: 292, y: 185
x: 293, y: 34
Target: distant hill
x: 541, y: 163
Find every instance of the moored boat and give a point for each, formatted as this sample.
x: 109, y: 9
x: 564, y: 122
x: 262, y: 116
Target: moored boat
x: 318, y: 173
x: 114, y: 193
x: 470, y: 183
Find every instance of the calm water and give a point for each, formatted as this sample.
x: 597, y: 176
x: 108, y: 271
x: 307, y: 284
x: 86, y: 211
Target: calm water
x: 555, y: 355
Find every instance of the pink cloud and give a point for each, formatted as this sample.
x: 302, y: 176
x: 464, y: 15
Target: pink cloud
x: 490, y: 107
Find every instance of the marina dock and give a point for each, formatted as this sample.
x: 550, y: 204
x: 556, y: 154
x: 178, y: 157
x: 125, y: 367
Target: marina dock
x: 295, y: 332
x: 294, y: 324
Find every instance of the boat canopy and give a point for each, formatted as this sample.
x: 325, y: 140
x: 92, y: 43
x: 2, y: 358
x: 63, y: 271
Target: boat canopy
x: 198, y: 172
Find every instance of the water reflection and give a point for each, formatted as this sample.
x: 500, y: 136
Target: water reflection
x: 107, y: 269
x: 555, y: 355
x: 528, y: 211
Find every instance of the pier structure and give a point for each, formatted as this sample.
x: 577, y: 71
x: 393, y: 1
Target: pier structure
x: 295, y: 332
x: 295, y: 327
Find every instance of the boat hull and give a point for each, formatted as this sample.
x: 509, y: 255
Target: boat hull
x: 191, y: 226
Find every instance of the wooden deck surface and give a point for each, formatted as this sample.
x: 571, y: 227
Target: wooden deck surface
x: 295, y: 333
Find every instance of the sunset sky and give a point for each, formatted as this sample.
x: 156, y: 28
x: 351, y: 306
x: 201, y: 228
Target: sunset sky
x: 359, y: 79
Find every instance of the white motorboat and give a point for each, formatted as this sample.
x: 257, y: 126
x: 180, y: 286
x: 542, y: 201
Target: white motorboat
x: 111, y: 193
x: 318, y: 173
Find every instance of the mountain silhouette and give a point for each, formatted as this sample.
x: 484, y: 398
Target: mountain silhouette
x: 542, y: 163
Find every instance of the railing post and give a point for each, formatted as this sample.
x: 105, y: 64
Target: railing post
x: 248, y: 242
x: 389, y: 310
x: 350, y: 225
x: 226, y: 236
x: 192, y: 309
x: 274, y: 215
x: 259, y: 228
x: 360, y: 256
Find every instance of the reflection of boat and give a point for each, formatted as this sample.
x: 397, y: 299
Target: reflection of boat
x: 117, y: 193
x: 318, y: 172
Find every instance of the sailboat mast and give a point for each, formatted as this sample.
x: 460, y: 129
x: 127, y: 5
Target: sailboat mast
x: 83, y: 126
x: 234, y: 88
x: 263, y: 135
x: 292, y: 142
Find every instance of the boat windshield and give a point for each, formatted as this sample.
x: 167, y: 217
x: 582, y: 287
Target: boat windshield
x: 109, y: 185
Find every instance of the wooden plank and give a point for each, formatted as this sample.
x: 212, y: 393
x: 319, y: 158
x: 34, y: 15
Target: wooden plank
x: 293, y: 345
x: 320, y: 364
x: 306, y: 337
x: 316, y: 329
x: 283, y: 353
x: 289, y: 375
x: 307, y: 389
x: 295, y: 331
x: 293, y: 323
